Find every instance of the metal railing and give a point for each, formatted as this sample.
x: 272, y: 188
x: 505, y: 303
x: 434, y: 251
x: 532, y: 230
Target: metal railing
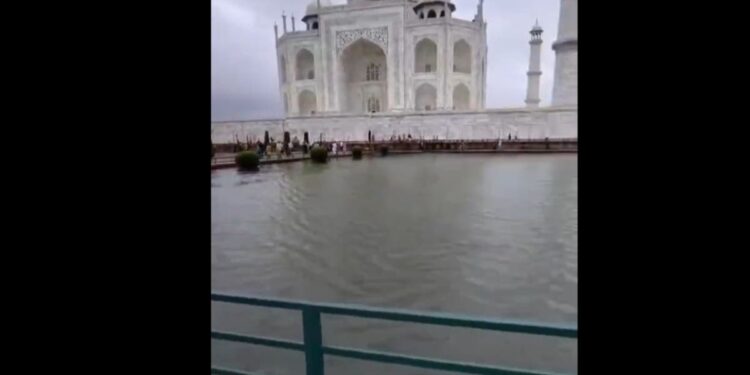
x: 314, y: 349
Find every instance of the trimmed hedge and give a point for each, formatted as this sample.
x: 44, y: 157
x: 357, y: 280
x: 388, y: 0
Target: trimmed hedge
x: 384, y: 150
x: 357, y: 152
x: 247, y: 160
x: 319, y: 154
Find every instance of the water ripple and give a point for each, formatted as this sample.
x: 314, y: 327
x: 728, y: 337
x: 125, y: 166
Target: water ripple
x: 485, y: 235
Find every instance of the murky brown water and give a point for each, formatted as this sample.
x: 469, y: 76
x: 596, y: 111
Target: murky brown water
x: 488, y: 235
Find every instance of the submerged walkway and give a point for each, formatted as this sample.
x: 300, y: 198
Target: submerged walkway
x: 226, y: 160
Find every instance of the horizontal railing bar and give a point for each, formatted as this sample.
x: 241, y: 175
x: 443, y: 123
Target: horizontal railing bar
x: 441, y: 319
x: 398, y: 359
x: 224, y: 371
x: 257, y: 340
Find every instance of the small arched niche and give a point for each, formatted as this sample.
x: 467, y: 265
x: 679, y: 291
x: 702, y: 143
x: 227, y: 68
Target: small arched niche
x: 307, y: 103
x: 462, y: 57
x: 461, y: 98
x: 426, y: 97
x: 305, y: 65
x: 425, y: 56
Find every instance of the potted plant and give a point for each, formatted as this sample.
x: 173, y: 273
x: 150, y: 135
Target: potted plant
x: 319, y: 154
x: 357, y: 152
x: 247, y: 160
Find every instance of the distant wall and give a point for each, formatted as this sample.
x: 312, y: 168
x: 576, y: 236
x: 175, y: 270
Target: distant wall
x: 489, y: 124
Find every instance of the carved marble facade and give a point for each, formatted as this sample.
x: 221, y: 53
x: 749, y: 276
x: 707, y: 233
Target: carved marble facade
x: 378, y: 36
x: 391, y: 56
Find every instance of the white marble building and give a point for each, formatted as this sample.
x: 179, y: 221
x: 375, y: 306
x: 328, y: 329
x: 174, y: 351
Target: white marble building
x: 407, y: 66
x: 388, y: 56
x: 565, y: 88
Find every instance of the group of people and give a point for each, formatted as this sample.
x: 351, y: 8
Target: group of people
x: 401, y: 138
x: 276, y: 147
x: 279, y: 148
x: 336, y: 147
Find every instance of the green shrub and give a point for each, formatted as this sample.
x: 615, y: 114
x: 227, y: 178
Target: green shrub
x: 319, y: 154
x: 247, y: 160
x: 357, y: 152
x: 384, y: 150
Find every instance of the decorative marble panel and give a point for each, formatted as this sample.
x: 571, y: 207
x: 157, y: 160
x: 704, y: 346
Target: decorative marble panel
x: 378, y: 35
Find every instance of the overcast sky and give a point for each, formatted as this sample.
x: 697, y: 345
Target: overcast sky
x: 244, y: 77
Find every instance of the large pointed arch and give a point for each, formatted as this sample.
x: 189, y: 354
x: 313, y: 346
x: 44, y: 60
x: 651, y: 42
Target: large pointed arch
x: 362, y: 79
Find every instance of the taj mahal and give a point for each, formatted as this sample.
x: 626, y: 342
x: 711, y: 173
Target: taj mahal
x: 383, y: 56
x: 397, y: 66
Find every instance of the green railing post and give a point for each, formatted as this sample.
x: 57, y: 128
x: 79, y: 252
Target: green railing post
x: 313, y: 336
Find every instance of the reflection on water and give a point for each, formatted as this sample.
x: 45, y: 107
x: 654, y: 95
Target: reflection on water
x: 485, y: 235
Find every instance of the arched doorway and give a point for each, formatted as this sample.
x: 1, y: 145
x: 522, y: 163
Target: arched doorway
x: 363, y: 79
x: 426, y: 98
x: 461, y: 97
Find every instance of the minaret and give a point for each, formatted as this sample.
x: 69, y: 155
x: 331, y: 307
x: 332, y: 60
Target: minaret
x: 446, y: 89
x: 293, y: 22
x: 535, y: 70
x: 479, y: 17
x: 284, y: 17
x: 565, y: 89
x: 276, y: 31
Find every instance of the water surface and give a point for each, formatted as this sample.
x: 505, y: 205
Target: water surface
x: 489, y: 235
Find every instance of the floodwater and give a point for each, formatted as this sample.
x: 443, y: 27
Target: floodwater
x: 484, y: 235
